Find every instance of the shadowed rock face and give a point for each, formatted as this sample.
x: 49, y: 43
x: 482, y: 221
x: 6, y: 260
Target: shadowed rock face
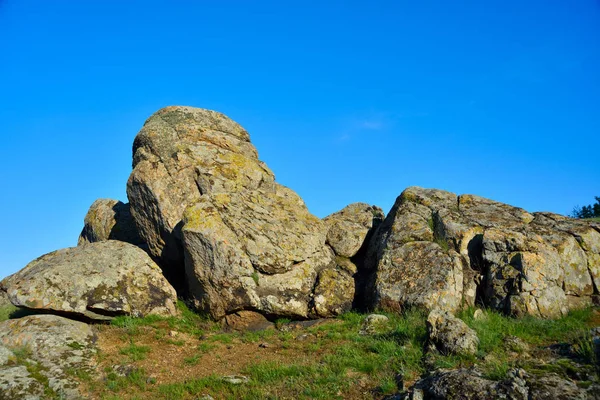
x: 109, y: 220
x: 439, y: 250
x: 94, y: 281
x: 56, y: 345
x: 348, y: 228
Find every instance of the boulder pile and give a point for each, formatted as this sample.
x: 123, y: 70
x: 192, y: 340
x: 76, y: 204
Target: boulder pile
x: 207, y: 222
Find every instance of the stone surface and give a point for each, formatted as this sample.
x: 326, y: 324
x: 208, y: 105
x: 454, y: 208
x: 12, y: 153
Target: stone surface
x: 450, y: 335
x: 419, y: 274
x: 518, y: 385
x: 553, y: 387
x: 39, y: 355
x: 334, y: 292
x: 229, y: 236
x: 469, y: 384
x: 180, y: 154
x: 348, y: 228
x: 256, y: 250
x: 97, y: 281
x: 541, y: 264
x: 243, y: 321
x: 373, y: 323
x: 235, y: 379
x: 109, y: 220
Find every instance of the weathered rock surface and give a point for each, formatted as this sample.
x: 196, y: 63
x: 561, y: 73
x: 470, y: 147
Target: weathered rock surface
x: 553, y: 387
x: 243, y: 321
x: 202, y: 199
x: 97, y: 280
x: 180, y: 154
x: 109, y: 220
x: 39, y: 355
x: 439, y: 250
x: 468, y: 384
x: 348, y: 228
x: 255, y: 250
x: 450, y: 335
x: 334, y: 292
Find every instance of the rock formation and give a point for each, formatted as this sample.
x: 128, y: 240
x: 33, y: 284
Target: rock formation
x: 207, y: 206
x: 246, y: 250
x: 94, y: 281
x: 439, y: 250
x: 180, y: 154
x: 109, y: 220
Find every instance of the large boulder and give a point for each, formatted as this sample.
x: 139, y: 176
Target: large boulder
x: 40, y: 354
x: 521, y: 263
x: 180, y: 154
x: 223, y: 230
x: 255, y: 250
x: 109, y: 220
x: 96, y: 281
x: 348, y: 228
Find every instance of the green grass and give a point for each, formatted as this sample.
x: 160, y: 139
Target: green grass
x: 187, y: 321
x: 494, y: 327
x: 335, y: 357
x: 135, y: 352
x: 136, y: 377
x: 6, y: 311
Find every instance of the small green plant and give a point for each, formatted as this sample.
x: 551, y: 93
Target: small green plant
x: 193, y: 360
x: 7, y: 311
x: 75, y: 345
x: 135, y: 352
x: 431, y: 224
x: 442, y: 243
x: 225, y: 338
x: 388, y: 386
x: 585, y: 348
x: 280, y: 322
x: 205, y: 347
x: 255, y: 277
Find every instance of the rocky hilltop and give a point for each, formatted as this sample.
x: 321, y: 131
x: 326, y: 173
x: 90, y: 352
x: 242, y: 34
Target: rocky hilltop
x: 207, y: 222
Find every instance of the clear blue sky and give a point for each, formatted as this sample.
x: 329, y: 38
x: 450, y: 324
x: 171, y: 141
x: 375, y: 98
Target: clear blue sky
x: 345, y: 101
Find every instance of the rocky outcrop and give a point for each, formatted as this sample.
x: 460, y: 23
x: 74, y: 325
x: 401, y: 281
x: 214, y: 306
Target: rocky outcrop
x: 181, y: 154
x: 109, y: 220
x: 255, y: 250
x: 439, y: 250
x: 450, y: 335
x: 203, y: 200
x: 40, y: 354
x: 94, y: 281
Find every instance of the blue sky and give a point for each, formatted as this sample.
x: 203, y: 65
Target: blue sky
x: 346, y: 101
